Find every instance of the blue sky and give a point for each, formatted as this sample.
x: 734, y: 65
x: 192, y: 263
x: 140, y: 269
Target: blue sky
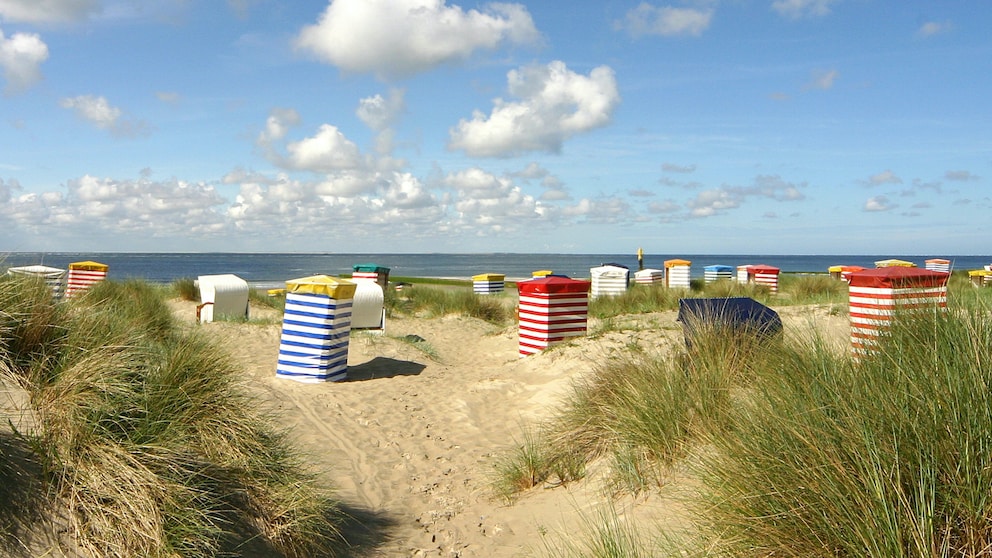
x: 709, y: 126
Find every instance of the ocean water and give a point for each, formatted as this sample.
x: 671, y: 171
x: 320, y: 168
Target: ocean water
x: 267, y: 270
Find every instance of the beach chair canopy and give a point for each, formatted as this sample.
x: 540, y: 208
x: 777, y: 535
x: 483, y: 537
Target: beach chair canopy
x: 898, y: 278
x: 39, y: 270
x: 553, y: 284
x: 222, y: 296
x: 676, y: 263
x: 737, y: 315
x: 894, y: 263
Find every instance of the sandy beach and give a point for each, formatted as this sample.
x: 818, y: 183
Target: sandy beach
x: 409, y: 441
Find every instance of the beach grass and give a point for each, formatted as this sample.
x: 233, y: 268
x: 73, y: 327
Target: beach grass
x: 607, y: 534
x: 884, y: 456
x: 144, y: 435
x: 186, y: 289
x: 798, y: 449
x: 431, y: 300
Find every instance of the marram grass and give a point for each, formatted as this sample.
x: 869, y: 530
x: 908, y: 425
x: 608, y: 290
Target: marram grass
x: 889, y: 456
x: 146, y: 438
x: 795, y: 448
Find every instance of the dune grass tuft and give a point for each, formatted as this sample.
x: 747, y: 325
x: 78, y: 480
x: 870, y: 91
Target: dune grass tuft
x: 798, y: 449
x: 886, y: 456
x: 146, y: 437
x: 436, y: 301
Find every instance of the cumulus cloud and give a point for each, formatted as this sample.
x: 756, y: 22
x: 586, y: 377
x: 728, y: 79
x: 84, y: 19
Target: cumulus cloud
x: 378, y: 112
x: 884, y: 177
x: 931, y: 28
x: 352, y: 204
x: 822, y: 79
x: 21, y: 57
x: 666, y: 21
x: 486, y: 203
x: 532, y: 170
x: 555, y: 104
x: 716, y: 200
x: 608, y: 210
x: 326, y: 151
x: 879, y: 203
x: 139, y: 208
x: 798, y: 9
x: 47, y: 11
x: 398, y: 38
x: 277, y: 125
x: 99, y: 112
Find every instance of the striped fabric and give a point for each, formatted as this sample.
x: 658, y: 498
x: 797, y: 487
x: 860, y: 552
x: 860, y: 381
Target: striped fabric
x: 552, y: 309
x: 549, y: 318
x: 742, y: 273
x: 54, y: 278
x: 371, y: 272
x: 313, y: 346
x: 649, y: 276
x: 83, y: 275
x: 872, y: 310
x: 765, y: 275
x: 938, y: 264
x: 488, y: 283
x: 81, y: 280
x: 609, y: 280
x: 677, y: 274
x: 713, y: 273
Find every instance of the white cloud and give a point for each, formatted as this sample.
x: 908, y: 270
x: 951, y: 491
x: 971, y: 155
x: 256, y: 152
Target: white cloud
x: 666, y: 21
x: 609, y: 210
x: 931, y: 28
x: 138, y: 208
x: 47, y: 11
x: 277, y: 125
x: 884, y: 177
x: 477, y: 183
x: 823, y: 79
x: 327, y: 151
x: 379, y: 113
x: 532, y: 170
x: 347, y: 184
x: 797, y: 9
x: 99, y: 112
x: 715, y: 200
x: 555, y: 194
x: 398, y: 38
x: 348, y: 205
x: 878, y: 203
x: 20, y: 60
x: 555, y: 104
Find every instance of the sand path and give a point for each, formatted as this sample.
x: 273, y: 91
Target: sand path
x: 409, y: 442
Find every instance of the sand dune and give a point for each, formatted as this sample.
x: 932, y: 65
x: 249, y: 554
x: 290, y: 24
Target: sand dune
x: 410, y: 440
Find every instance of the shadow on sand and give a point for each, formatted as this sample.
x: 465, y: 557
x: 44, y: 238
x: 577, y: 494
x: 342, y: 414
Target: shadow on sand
x: 382, y: 367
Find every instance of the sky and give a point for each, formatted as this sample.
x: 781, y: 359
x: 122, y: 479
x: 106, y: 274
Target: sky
x: 409, y: 126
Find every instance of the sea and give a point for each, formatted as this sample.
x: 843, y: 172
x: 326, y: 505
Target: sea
x: 273, y: 270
